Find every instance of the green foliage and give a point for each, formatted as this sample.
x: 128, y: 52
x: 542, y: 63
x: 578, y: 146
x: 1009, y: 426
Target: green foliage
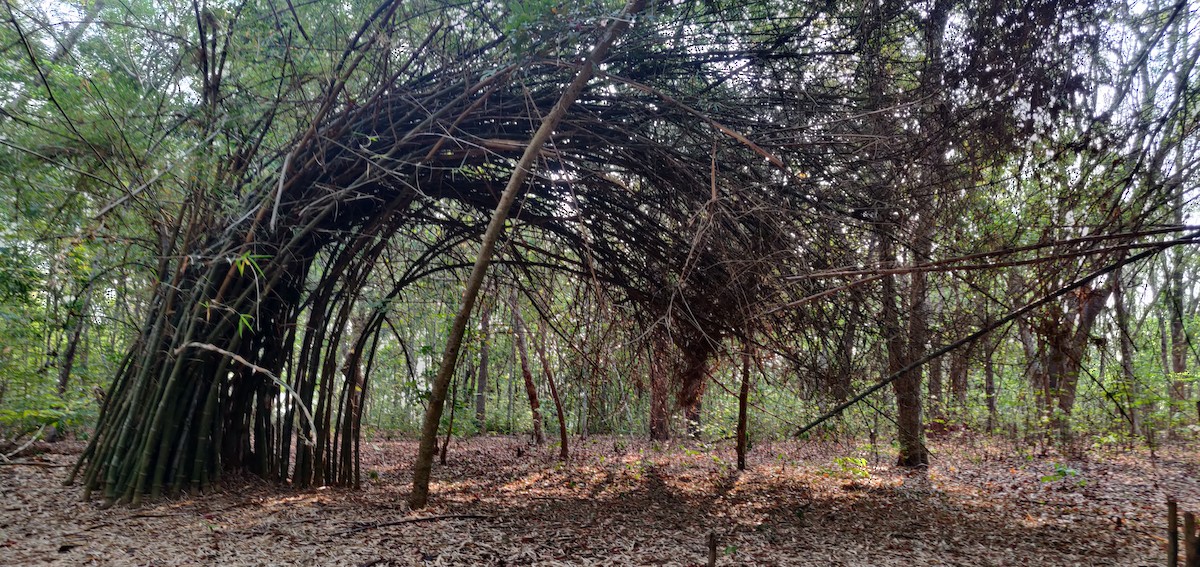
x: 18, y: 276
x: 547, y: 25
x: 33, y: 412
x: 847, y: 467
x: 1062, y: 472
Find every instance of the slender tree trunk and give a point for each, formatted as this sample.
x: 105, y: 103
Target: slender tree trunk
x: 530, y: 388
x: 936, y: 391
x: 481, y: 381
x: 79, y: 322
x: 563, y: 452
x: 908, y: 387
x: 511, y: 384
x: 1066, y: 346
x: 1126, y: 345
x: 691, y: 415
x: 660, y: 408
x: 743, y: 410
x: 913, y: 452
x: 842, y: 382
x: 1179, y: 346
x: 911, y: 432
x: 444, y: 453
x: 423, y: 467
x: 989, y: 385
x: 959, y: 379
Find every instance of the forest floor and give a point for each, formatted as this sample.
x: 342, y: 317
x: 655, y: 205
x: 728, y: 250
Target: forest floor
x: 621, y: 501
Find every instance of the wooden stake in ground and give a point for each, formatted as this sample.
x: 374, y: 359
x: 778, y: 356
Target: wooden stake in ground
x: 712, y: 549
x: 437, y: 398
x: 1191, y: 553
x: 1172, y: 534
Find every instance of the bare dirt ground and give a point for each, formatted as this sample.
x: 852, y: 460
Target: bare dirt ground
x: 625, y: 502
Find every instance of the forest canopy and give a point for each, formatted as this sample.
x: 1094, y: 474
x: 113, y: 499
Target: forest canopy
x: 236, y: 233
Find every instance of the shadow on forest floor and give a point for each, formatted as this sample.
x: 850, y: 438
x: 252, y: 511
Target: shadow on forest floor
x: 626, y: 502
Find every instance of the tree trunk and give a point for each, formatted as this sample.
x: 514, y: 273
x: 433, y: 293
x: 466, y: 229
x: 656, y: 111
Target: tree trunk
x: 563, y: 453
x: 908, y: 387
x: 1179, y: 343
x: 936, y: 391
x: 530, y: 388
x: 1065, y: 346
x: 743, y: 399
x: 481, y: 381
x: 660, y: 406
x: 692, y: 415
x: 842, y: 380
x: 959, y: 375
x: 1126, y: 345
x: 444, y: 453
x: 989, y: 386
x: 913, y: 452
x: 79, y: 321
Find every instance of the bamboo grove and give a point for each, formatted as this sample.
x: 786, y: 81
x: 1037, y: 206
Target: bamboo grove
x: 793, y: 180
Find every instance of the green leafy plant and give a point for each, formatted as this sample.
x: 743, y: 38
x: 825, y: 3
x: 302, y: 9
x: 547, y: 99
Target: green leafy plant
x: 245, y: 323
x: 25, y: 419
x: 847, y: 467
x: 1062, y: 472
x: 249, y: 260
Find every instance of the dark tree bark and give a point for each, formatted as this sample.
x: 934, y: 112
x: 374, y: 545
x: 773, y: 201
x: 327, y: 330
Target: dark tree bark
x: 989, y: 384
x: 660, y: 399
x: 911, y: 428
x: 841, y: 382
x: 523, y: 355
x: 988, y: 348
x: 959, y: 378
x: 695, y: 381
x: 1064, y: 337
x: 743, y: 410
x: 692, y: 415
x: 466, y: 382
x: 563, y: 452
x: 1126, y: 349
x: 1179, y: 342
x: 936, y: 391
x: 79, y: 321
